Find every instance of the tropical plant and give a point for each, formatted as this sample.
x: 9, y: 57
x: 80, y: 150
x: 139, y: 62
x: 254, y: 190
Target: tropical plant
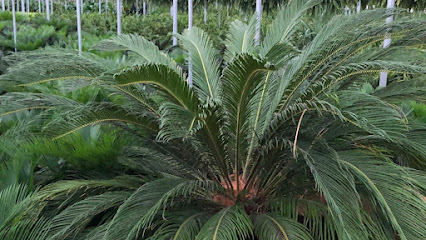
x: 273, y: 142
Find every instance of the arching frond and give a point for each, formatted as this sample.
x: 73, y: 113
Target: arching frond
x: 231, y: 223
x: 240, y: 39
x: 204, y: 61
x: 146, y: 51
x: 389, y: 188
x: 73, y: 219
x: 276, y: 227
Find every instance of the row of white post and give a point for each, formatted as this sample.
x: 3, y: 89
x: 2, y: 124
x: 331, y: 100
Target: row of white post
x: 79, y: 10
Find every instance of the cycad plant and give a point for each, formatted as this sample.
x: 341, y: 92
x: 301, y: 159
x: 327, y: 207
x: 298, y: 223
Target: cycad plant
x: 272, y: 142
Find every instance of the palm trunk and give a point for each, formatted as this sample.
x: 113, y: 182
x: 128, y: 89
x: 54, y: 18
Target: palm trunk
x: 144, y: 8
x: 47, y: 10
x: 205, y: 11
x: 77, y: 4
x: 175, y: 22
x: 358, y: 6
x: 118, y: 17
x: 219, y: 14
x: 190, y: 12
x: 384, y: 75
x: 259, y: 20
x: 14, y: 23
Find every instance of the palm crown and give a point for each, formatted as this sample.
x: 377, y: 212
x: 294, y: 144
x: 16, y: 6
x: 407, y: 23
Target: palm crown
x: 275, y: 142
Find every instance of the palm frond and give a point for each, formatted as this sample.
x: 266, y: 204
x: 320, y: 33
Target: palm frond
x: 231, y: 223
x: 240, y: 39
x: 275, y: 227
x: 146, y: 51
x: 204, y: 61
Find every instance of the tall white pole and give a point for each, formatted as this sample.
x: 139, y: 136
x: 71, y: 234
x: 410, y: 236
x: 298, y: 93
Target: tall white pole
x: 39, y: 6
x: 358, y: 6
x: 259, y: 20
x: 175, y: 23
x: 14, y: 22
x: 23, y: 7
x: 118, y: 17
x: 190, y: 13
x: 384, y: 75
x: 144, y: 8
x: 47, y: 10
x: 205, y: 11
x: 2, y: 5
x: 77, y: 4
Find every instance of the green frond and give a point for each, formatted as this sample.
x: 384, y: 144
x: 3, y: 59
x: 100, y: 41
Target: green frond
x: 38, y: 69
x: 389, y: 188
x: 276, y: 227
x: 126, y: 223
x: 316, y: 216
x: 284, y: 24
x: 240, y: 39
x: 242, y: 94
x: 92, y: 114
x: 163, y: 78
x: 204, y: 61
x: 231, y: 223
x: 146, y: 51
x: 76, y: 217
x: 337, y: 186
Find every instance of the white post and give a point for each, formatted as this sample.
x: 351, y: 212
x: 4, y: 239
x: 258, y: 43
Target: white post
x: 23, y: 7
x: 346, y: 10
x: 47, y: 10
x: 118, y: 17
x: 39, y: 6
x: 2, y: 5
x: 384, y: 75
x: 28, y: 5
x: 259, y: 20
x: 14, y: 23
x: 100, y: 6
x: 175, y: 22
x: 358, y: 6
x: 205, y: 11
x: 190, y: 13
x: 77, y: 4
x: 144, y: 8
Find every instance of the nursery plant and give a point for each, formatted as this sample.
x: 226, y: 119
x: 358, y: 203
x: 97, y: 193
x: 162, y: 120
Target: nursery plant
x: 272, y: 141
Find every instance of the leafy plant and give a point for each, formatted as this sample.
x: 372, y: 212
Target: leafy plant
x: 273, y: 142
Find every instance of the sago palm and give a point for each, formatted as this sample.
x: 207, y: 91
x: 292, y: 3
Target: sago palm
x: 273, y: 142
